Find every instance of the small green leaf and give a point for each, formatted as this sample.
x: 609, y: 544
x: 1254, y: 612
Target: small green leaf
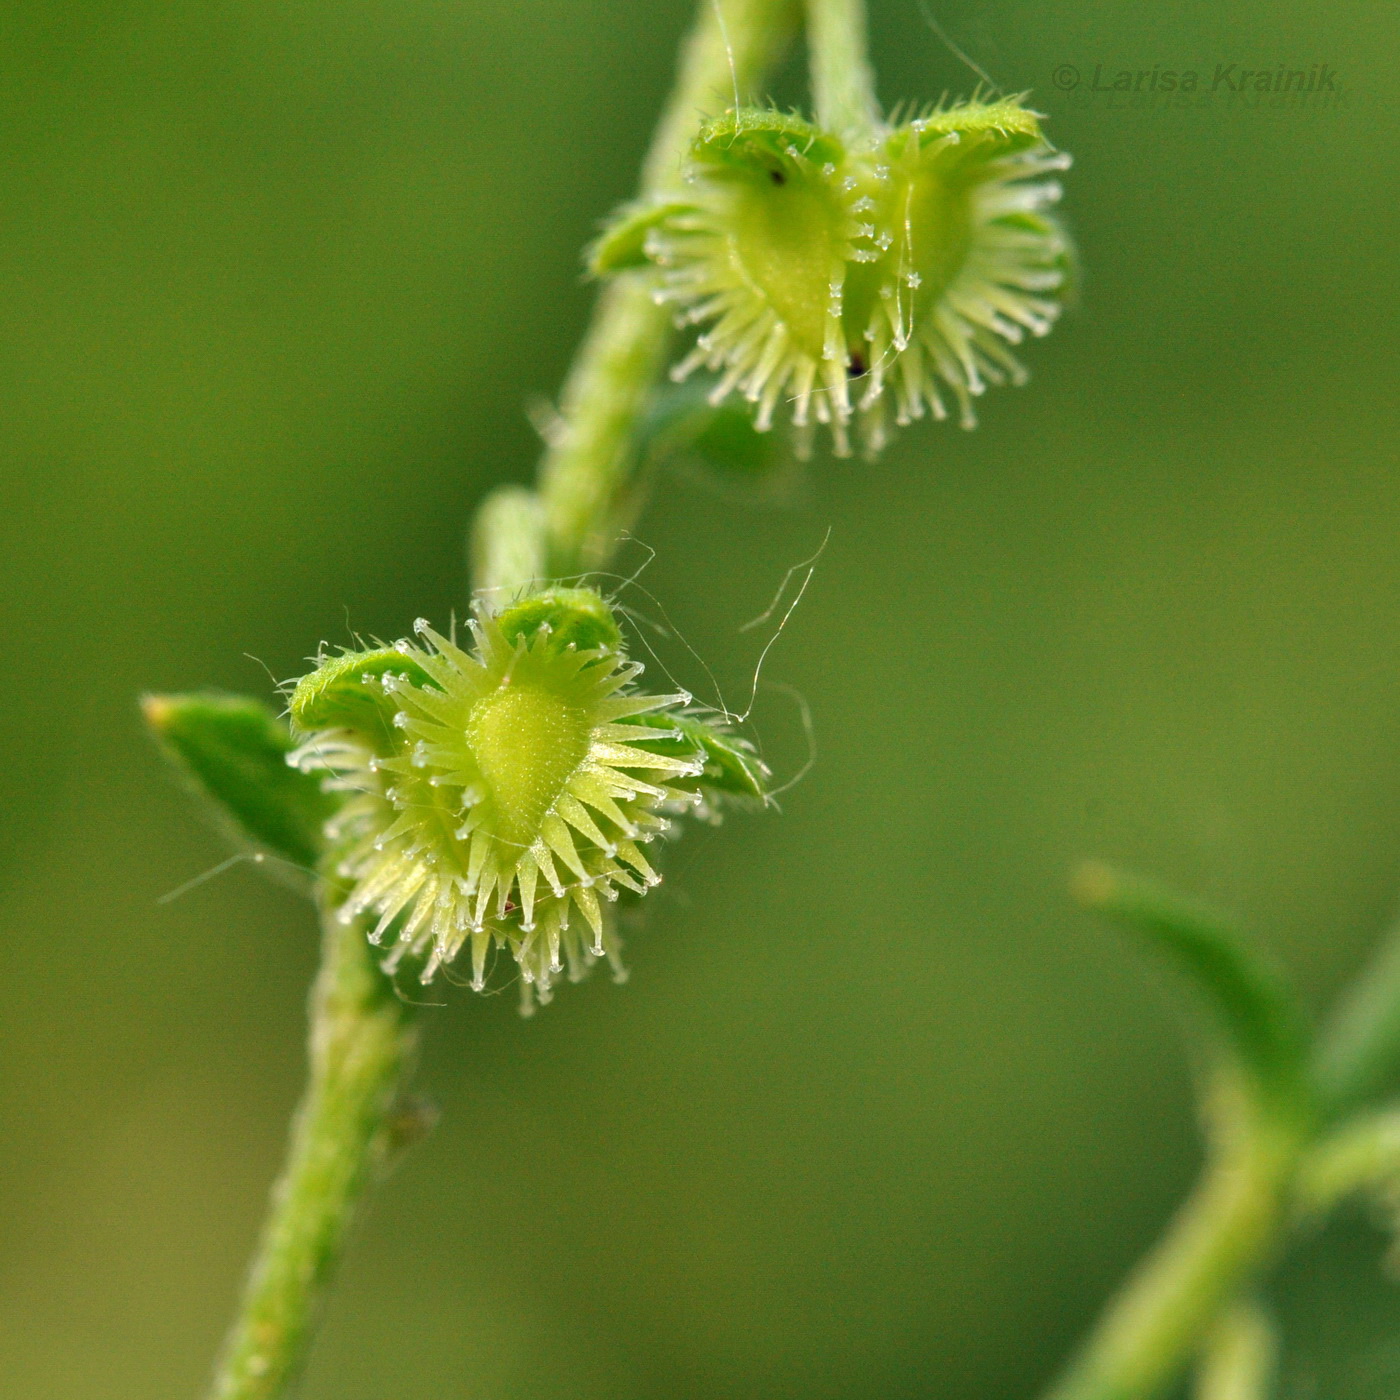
x: 732, y: 768
x: 622, y: 243
x: 233, y: 750
x: 1255, y: 1007
x: 1358, y: 1053
x: 341, y: 693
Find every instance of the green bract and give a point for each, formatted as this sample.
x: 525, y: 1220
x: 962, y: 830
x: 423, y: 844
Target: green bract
x: 501, y: 796
x: 824, y: 276
x: 233, y: 750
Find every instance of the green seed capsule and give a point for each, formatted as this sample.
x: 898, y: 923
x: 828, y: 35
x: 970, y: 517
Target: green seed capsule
x: 841, y: 281
x: 501, y: 796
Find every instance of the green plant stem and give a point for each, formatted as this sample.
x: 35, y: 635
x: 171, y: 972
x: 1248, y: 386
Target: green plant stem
x: 843, y: 82
x: 585, y: 471
x: 1227, y: 1229
x: 1360, y: 1053
x: 1239, y: 1356
x: 361, y: 1046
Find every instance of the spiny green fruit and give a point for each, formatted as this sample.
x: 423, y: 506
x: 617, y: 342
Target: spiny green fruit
x: 838, y: 279
x: 501, y: 796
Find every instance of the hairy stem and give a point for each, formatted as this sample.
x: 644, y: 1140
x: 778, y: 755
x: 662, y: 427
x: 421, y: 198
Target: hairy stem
x: 361, y: 1045
x: 843, y: 83
x: 1224, y: 1233
x: 586, y: 468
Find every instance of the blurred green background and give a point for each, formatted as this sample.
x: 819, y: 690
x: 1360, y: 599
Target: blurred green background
x: 879, y: 1114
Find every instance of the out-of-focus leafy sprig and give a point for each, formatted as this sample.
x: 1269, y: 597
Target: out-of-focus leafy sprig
x: 1292, y: 1129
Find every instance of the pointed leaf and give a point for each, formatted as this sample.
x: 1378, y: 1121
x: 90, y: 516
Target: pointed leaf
x: 1358, y: 1055
x: 233, y: 750
x: 1255, y: 1007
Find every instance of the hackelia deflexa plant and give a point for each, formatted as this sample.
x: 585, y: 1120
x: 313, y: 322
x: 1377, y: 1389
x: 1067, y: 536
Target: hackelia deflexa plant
x: 449, y: 801
x: 445, y: 801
